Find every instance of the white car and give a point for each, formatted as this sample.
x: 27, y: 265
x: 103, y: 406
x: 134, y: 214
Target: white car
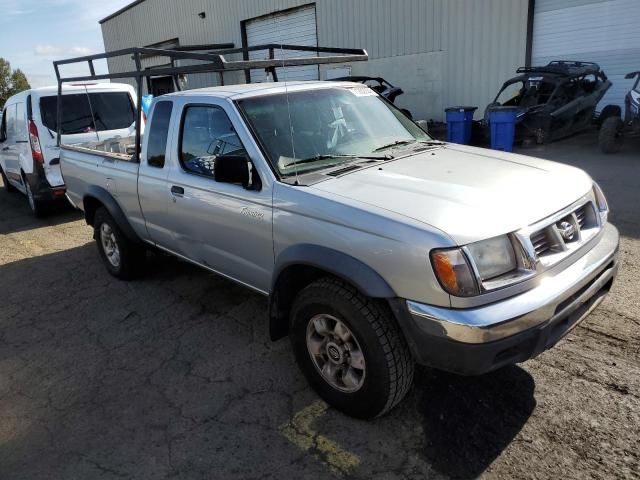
x: 29, y: 157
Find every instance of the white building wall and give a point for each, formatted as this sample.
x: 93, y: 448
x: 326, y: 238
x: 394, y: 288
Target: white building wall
x: 441, y: 52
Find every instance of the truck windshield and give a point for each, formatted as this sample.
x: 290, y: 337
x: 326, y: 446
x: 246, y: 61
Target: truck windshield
x: 316, y: 129
x: 111, y: 111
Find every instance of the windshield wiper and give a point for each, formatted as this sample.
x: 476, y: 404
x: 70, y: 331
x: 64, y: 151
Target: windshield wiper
x: 394, y: 144
x: 330, y: 157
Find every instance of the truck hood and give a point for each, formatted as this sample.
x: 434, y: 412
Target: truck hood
x: 468, y: 193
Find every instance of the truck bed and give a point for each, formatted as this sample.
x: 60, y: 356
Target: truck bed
x: 87, y: 170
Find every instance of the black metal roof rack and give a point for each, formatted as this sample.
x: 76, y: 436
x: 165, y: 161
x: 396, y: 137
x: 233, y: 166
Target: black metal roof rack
x: 567, y: 68
x: 213, y: 62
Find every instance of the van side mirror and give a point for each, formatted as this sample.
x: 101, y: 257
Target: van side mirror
x: 236, y: 169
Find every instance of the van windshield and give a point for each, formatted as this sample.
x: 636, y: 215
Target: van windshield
x: 111, y: 111
x: 317, y: 129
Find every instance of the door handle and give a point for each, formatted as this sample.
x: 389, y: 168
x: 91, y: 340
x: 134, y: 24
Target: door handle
x: 178, y: 191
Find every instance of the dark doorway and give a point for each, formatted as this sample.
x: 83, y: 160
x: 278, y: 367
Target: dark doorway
x: 162, y: 85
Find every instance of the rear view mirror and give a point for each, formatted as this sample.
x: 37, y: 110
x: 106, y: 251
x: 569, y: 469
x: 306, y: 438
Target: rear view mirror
x: 232, y: 169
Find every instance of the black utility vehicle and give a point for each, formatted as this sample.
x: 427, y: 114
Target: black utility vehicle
x: 380, y: 85
x: 614, y: 127
x: 554, y: 101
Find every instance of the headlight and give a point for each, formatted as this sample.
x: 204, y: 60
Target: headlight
x: 493, y: 257
x: 455, y: 271
x: 601, y: 201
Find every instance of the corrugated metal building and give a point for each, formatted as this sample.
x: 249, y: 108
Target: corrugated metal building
x: 441, y: 52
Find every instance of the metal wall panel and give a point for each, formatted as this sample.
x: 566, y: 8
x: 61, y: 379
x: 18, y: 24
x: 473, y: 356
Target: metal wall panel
x: 293, y: 27
x: 605, y: 32
x: 457, y: 51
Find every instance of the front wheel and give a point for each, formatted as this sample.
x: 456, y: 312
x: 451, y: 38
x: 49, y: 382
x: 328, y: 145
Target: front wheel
x: 350, y: 348
x: 123, y: 258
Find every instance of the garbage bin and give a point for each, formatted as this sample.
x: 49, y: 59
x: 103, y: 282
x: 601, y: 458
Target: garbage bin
x: 459, y: 123
x: 502, y: 121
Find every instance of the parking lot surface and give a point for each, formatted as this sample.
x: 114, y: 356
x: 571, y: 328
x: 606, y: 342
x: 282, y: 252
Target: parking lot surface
x: 174, y: 376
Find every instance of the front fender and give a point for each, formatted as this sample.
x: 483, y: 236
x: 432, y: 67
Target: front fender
x: 339, y: 264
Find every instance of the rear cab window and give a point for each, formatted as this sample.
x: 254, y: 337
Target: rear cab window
x: 158, y: 134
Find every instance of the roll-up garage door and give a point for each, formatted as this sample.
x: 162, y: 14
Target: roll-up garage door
x: 601, y: 31
x: 295, y: 27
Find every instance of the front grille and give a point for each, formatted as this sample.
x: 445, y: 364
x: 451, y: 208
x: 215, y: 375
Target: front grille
x: 540, y: 243
x: 581, y: 216
x: 551, y: 239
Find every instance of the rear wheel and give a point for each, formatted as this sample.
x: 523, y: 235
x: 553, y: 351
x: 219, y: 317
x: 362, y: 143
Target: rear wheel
x: 5, y: 181
x: 123, y: 258
x: 611, y: 135
x: 37, y: 207
x: 350, y: 348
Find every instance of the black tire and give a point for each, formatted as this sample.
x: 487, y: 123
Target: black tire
x: 388, y: 361
x: 5, y: 181
x: 38, y: 208
x: 607, y: 112
x: 131, y: 256
x: 611, y: 136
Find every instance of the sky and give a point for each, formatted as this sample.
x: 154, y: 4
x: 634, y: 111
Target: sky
x: 33, y: 33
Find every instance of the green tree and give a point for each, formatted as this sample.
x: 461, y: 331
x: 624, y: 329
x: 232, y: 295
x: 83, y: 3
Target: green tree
x: 5, y: 81
x: 11, y: 81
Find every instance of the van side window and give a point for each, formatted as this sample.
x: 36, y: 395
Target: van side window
x: 158, y: 133
x: 3, y: 127
x: 11, y: 122
x: 21, y: 123
x: 206, y: 134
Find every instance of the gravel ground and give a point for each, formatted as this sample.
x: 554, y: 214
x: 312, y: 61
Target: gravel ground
x: 174, y: 376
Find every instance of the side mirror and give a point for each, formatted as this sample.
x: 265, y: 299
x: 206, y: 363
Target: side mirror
x: 236, y: 169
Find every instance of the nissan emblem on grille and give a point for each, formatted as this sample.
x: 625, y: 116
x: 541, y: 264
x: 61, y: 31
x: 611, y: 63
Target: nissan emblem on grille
x: 567, y: 231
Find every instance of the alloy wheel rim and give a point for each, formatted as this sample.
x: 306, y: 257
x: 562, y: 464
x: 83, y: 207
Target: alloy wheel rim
x: 110, y: 245
x: 336, y: 353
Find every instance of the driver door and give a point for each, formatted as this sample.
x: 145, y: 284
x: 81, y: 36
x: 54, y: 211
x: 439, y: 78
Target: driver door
x: 221, y: 226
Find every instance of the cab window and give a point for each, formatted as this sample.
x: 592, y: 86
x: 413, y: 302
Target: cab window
x: 158, y: 133
x: 207, y: 133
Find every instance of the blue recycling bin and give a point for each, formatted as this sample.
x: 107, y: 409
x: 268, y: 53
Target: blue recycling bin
x: 459, y: 123
x: 502, y: 121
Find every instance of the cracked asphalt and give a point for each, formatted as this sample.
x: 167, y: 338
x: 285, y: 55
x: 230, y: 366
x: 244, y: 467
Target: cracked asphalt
x: 174, y: 376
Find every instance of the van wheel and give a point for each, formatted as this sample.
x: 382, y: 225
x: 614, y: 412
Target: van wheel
x: 123, y: 258
x: 5, y: 181
x: 350, y: 348
x: 37, y: 207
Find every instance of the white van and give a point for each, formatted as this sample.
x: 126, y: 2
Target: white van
x: 29, y: 158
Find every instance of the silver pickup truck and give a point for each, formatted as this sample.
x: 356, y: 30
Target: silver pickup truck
x: 377, y: 246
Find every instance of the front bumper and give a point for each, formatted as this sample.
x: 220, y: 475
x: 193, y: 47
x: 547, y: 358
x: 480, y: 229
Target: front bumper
x: 477, y: 340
